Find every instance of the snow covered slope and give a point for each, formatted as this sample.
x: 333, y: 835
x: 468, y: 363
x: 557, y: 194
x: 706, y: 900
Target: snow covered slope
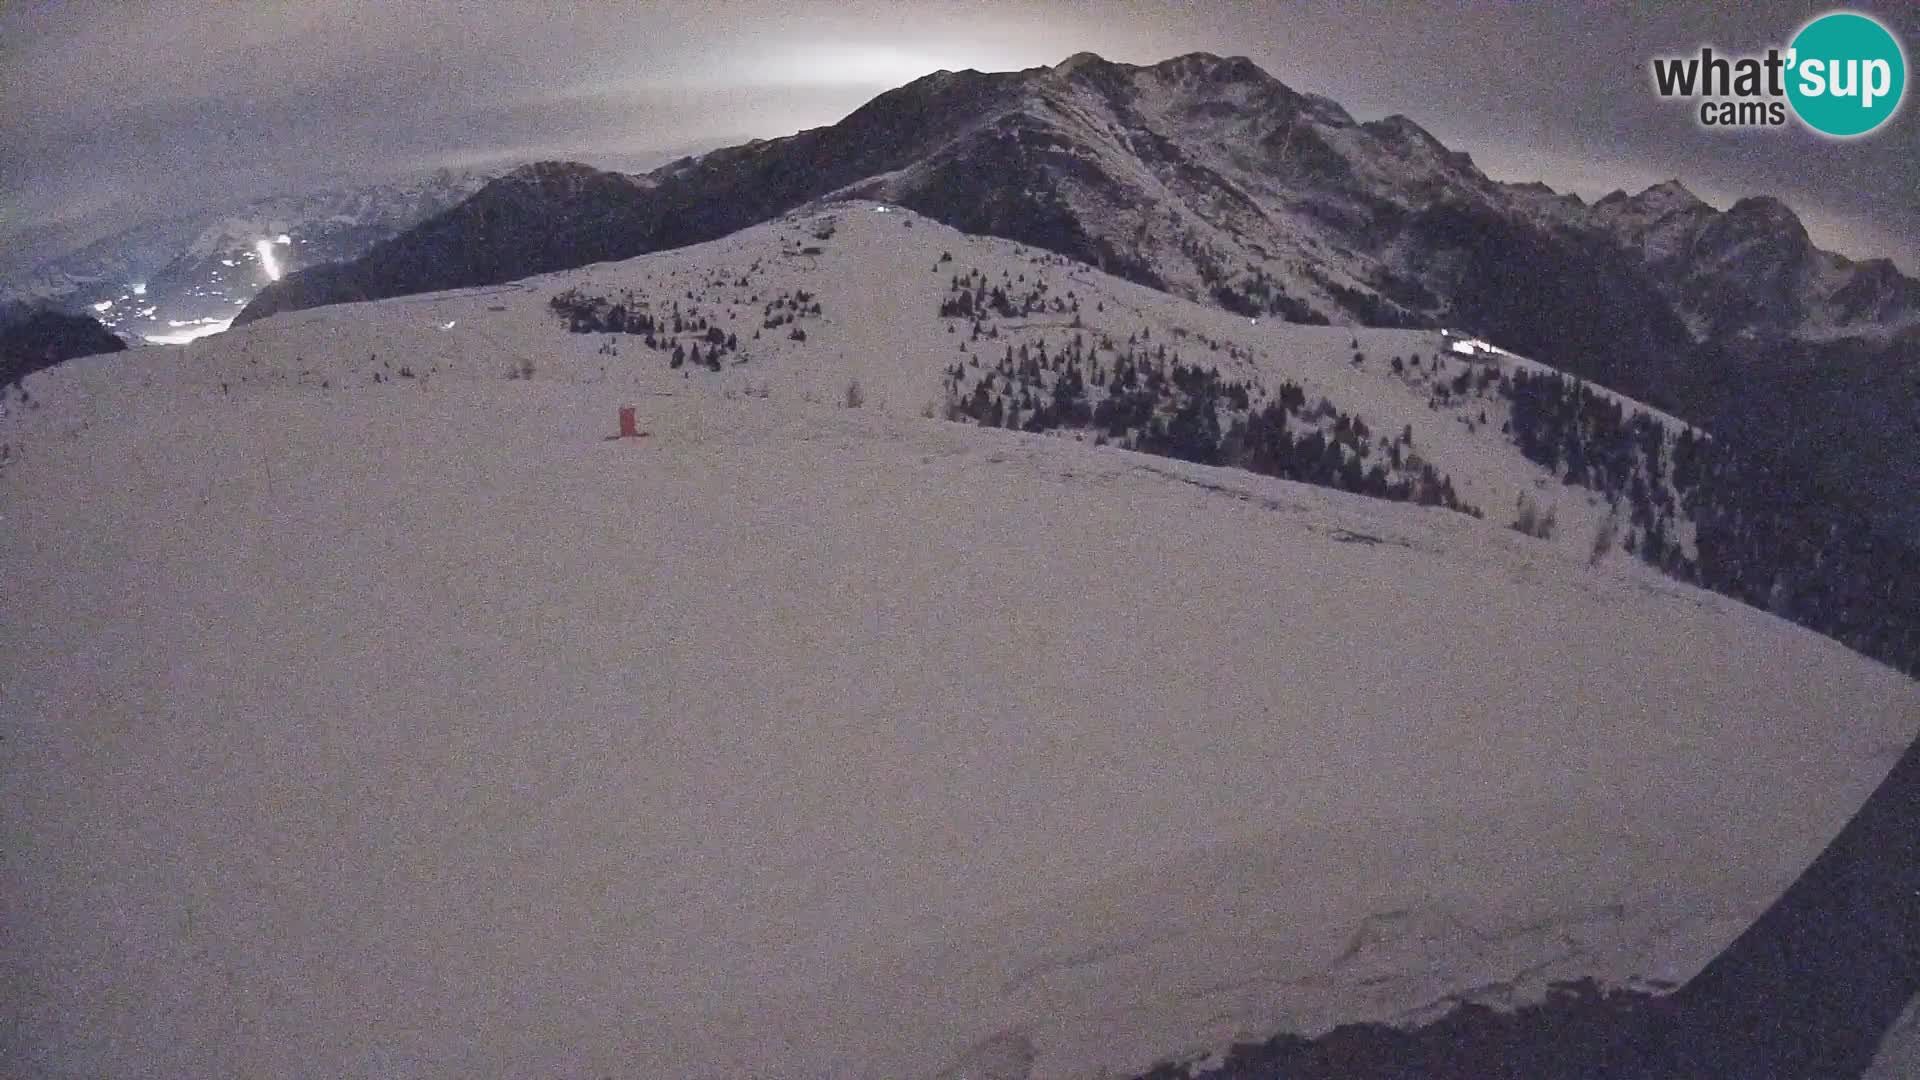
x: 369, y: 713
x: 879, y: 276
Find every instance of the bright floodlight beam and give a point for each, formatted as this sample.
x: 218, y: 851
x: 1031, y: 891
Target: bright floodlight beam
x: 264, y: 249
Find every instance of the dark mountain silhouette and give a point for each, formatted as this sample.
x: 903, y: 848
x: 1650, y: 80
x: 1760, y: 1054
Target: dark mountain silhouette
x: 1752, y: 271
x: 1202, y: 175
x: 33, y: 339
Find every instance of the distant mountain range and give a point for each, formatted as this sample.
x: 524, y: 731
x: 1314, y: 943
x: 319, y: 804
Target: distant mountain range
x: 1208, y: 178
x: 174, y: 278
x: 1200, y: 175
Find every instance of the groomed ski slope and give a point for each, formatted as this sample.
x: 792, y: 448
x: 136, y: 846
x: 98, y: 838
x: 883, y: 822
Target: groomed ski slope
x: 414, y: 729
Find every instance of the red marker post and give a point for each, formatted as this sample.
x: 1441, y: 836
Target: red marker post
x: 629, y: 428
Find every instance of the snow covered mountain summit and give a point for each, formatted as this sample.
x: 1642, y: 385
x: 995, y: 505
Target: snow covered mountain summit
x: 1201, y: 175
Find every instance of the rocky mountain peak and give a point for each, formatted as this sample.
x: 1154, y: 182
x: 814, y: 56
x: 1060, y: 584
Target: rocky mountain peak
x: 544, y: 171
x: 1761, y: 234
x: 1402, y: 127
x: 1766, y: 214
x: 559, y: 176
x: 1668, y: 195
x: 1080, y: 61
x: 1207, y: 67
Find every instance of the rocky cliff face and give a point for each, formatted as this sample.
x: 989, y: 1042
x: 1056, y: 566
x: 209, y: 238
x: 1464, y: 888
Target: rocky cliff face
x: 1751, y: 271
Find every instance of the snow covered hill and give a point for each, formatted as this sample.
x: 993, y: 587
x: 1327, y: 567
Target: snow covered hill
x: 370, y: 712
x: 881, y: 276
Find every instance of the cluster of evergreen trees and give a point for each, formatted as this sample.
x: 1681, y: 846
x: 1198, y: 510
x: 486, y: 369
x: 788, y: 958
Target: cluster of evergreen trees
x: 1589, y: 440
x: 789, y: 308
x: 1254, y: 293
x: 1257, y: 294
x: 1372, y: 309
x: 1758, y: 538
x: 1840, y: 574
x: 1144, y: 398
x: 1337, y: 456
x: 684, y: 336
x: 971, y: 296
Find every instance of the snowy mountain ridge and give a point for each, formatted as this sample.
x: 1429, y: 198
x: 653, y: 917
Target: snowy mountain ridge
x: 1752, y: 269
x: 1043, y: 319
x: 1208, y: 177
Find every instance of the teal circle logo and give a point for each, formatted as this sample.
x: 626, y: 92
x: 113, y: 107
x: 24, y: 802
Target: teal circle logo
x: 1847, y: 74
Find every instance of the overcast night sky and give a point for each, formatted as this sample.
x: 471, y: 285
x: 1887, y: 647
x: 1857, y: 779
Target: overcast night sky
x: 116, y: 112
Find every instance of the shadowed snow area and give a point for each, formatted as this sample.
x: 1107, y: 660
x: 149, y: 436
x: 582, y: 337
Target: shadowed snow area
x: 1900, y: 1051
x: 413, y: 729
